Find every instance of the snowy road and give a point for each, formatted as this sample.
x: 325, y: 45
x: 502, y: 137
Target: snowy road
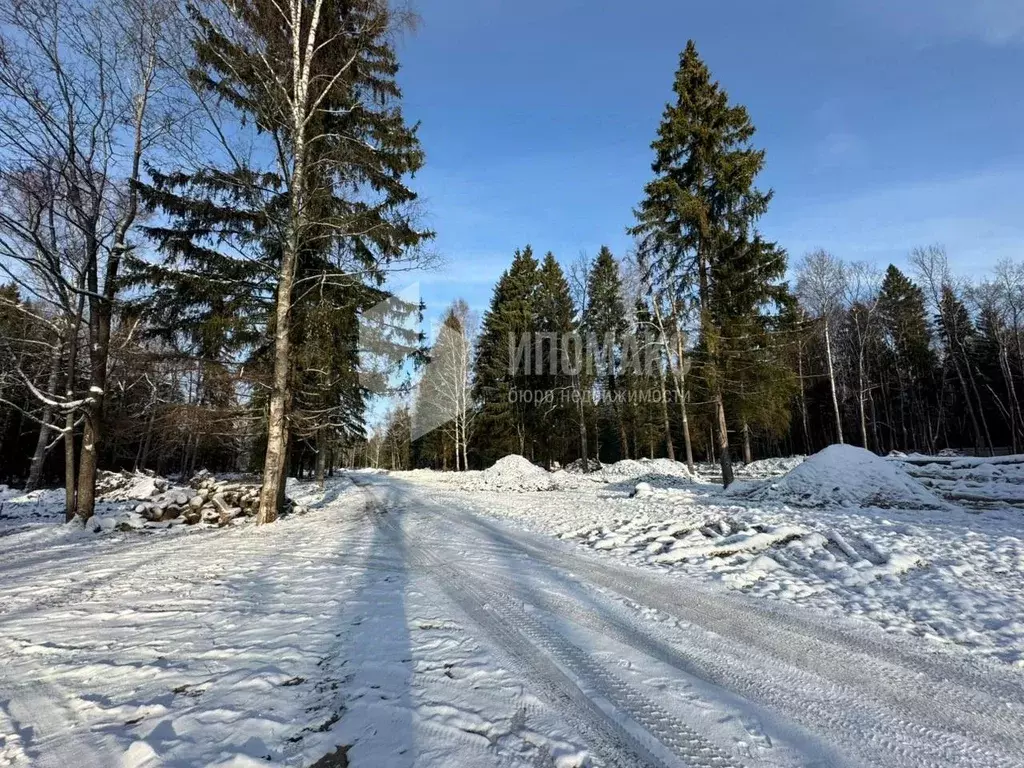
x: 419, y: 634
x: 687, y: 676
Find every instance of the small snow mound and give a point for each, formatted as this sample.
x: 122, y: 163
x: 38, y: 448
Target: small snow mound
x: 516, y: 473
x: 623, y: 470
x: 764, y: 564
x: 846, y: 476
x: 578, y: 467
x: 660, y: 473
x: 666, y: 467
x: 513, y: 466
x: 642, y: 489
x: 771, y: 467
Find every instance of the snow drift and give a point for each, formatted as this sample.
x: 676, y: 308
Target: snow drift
x: 842, y: 475
x: 770, y: 467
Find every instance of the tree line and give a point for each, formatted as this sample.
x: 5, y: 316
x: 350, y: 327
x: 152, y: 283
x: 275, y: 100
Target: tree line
x: 751, y: 358
x: 201, y: 204
x: 197, y: 200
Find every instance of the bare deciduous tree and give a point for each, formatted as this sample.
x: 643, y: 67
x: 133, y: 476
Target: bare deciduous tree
x: 79, y: 84
x: 821, y: 281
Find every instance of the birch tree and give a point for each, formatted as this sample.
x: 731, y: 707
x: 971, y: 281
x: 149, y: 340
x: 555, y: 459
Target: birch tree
x: 821, y: 283
x: 861, y: 297
x: 305, y: 180
x: 932, y: 266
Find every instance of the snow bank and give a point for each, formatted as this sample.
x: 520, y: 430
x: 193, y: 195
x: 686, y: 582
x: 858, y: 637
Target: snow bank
x: 18, y: 508
x: 981, y: 482
x: 515, y: 473
x: 627, y: 469
x: 842, y: 475
x: 518, y: 474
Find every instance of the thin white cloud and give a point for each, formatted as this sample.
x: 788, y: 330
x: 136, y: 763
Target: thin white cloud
x: 993, y: 22
x: 839, y: 149
x: 975, y: 216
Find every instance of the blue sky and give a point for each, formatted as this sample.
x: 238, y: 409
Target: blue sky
x: 887, y: 123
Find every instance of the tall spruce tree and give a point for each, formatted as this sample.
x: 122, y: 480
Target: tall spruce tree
x: 912, y: 363
x: 554, y: 312
x: 604, y: 323
x: 503, y: 370
x: 700, y: 205
x: 325, y: 198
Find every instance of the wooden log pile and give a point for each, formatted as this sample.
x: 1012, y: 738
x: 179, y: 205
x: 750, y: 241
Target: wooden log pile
x: 206, y: 500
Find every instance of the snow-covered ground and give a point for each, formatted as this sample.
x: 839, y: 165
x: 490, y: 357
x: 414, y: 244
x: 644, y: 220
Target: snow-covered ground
x: 522, y: 618
x: 846, y: 532
x: 249, y: 647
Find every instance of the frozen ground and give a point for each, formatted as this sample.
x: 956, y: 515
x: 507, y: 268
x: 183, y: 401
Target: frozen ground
x: 402, y: 622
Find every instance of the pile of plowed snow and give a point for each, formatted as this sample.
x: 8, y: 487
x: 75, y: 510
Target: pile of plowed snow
x: 579, y: 468
x: 842, y: 475
x: 657, y: 472
x: 770, y: 467
x: 514, y: 473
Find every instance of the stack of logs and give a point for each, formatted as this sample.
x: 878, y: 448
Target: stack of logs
x: 215, y: 501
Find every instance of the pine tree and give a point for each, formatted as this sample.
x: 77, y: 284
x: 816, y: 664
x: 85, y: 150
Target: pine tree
x: 748, y: 304
x: 957, y: 331
x: 332, y: 203
x: 503, y: 365
x: 604, y: 323
x: 904, y: 322
x: 554, y: 312
x: 701, y: 203
x: 328, y: 400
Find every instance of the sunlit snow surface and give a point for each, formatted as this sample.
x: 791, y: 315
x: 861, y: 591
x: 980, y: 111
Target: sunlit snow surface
x: 440, y: 620
x: 887, y: 540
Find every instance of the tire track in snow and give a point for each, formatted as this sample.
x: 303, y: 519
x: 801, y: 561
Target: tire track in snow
x: 629, y: 730
x: 884, y: 737
x: 46, y: 729
x: 647, y: 584
x: 791, y: 628
x: 922, y: 714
